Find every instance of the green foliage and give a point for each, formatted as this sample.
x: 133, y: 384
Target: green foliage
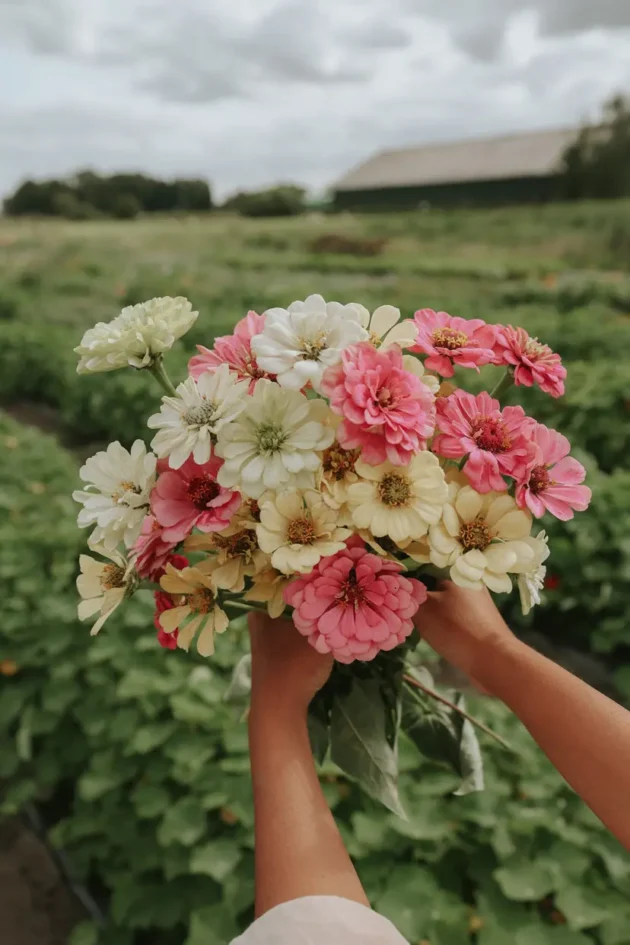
x: 122, y: 196
x: 138, y: 764
x: 284, y: 201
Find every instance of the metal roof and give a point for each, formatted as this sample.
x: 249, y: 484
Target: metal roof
x: 533, y: 154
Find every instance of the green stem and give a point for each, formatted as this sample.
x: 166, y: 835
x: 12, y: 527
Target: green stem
x: 148, y: 586
x: 504, y: 384
x: 158, y: 371
x: 241, y: 605
x: 413, y: 682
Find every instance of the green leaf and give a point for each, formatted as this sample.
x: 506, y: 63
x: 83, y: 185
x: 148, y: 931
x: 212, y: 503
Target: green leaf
x: 150, y: 736
x: 184, y: 822
x: 443, y: 735
x: 150, y: 801
x: 216, y: 859
x: 584, y: 907
x: 359, y: 744
x: 526, y: 880
x: 319, y: 736
x: 212, y: 925
x: 85, y: 933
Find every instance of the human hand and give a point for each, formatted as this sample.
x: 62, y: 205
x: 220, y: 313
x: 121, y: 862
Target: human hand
x: 286, y: 671
x: 465, y: 628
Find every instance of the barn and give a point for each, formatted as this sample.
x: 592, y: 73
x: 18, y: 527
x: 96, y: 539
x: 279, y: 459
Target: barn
x: 517, y: 168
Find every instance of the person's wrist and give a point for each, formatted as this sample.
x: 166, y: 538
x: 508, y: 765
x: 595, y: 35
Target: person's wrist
x: 278, y: 705
x: 494, y: 660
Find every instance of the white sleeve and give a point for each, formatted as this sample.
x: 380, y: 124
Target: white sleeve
x: 321, y: 920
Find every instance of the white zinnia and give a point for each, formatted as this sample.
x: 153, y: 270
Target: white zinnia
x: 117, y: 496
x: 275, y: 443
x: 298, y: 529
x: 189, y: 421
x: 385, y: 328
x: 298, y: 344
x: 103, y: 585
x: 136, y: 337
x: 398, y: 501
x: 532, y: 580
x: 482, y: 539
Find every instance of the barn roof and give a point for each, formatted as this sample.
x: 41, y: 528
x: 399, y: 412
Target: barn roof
x: 533, y: 154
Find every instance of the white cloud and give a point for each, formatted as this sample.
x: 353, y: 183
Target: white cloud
x: 256, y: 91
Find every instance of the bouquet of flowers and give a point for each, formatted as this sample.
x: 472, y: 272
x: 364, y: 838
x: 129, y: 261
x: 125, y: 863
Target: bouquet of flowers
x: 321, y: 463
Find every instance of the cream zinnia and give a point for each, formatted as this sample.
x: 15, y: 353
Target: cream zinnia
x: 297, y: 344
x: 297, y: 530
x: 275, y: 443
x: 137, y: 337
x: 103, y: 585
x: 116, y: 497
x: 199, y: 612
x: 189, y: 422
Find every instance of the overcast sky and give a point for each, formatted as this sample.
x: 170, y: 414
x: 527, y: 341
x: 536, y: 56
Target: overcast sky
x: 252, y: 92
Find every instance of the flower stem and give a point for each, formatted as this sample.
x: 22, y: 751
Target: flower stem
x: 504, y: 384
x: 413, y: 682
x: 158, y: 371
x: 241, y: 605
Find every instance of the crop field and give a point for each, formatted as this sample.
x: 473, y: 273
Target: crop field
x: 136, y: 765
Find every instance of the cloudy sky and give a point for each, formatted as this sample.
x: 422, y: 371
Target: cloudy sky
x: 252, y: 92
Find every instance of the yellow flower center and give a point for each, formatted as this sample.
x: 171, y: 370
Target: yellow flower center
x: 125, y: 487
x: 338, y: 462
x: 240, y: 545
x: 394, y: 490
x: 200, y: 415
x: 113, y: 575
x: 301, y: 531
x: 475, y: 534
x: 449, y: 338
x: 312, y: 348
x: 201, y: 601
x: 535, y: 350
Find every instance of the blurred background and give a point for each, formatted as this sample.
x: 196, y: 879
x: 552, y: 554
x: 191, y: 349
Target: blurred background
x: 468, y: 157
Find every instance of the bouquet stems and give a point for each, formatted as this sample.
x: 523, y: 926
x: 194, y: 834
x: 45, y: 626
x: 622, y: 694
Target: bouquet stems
x: 504, y: 385
x: 158, y: 371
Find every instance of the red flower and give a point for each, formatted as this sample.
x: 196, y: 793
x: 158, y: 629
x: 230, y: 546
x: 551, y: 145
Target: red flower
x: 164, y: 601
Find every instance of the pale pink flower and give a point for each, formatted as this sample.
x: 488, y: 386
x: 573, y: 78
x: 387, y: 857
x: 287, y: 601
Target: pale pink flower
x: 533, y: 362
x: 553, y: 482
x: 497, y: 442
x: 355, y: 604
x: 152, y: 549
x: 451, y: 341
x: 190, y: 497
x: 234, y: 350
x: 387, y: 411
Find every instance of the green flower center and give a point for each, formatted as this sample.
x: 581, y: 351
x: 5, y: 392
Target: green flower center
x: 270, y: 437
x: 200, y: 415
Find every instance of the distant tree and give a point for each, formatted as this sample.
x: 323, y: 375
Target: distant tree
x: 597, y: 164
x: 36, y: 197
x: 286, y: 200
x: 193, y: 196
x: 125, y: 207
x: 69, y: 206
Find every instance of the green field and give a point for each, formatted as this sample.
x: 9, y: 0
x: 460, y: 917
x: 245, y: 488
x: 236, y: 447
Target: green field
x: 140, y: 770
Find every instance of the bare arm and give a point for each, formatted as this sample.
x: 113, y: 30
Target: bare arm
x: 584, y: 733
x: 299, y: 851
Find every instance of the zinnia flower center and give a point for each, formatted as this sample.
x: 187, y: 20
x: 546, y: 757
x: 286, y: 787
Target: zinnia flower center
x: 240, y: 545
x: 201, y: 601
x: 125, y: 487
x: 270, y: 437
x: 394, y: 490
x: 200, y: 415
x: 202, y: 490
x: 338, y: 462
x: 351, y: 591
x: 253, y: 508
x: 301, y: 531
x: 112, y: 575
x: 449, y: 338
x: 535, y: 350
x: 312, y: 348
x: 491, y: 435
x: 475, y: 534
x: 539, y: 479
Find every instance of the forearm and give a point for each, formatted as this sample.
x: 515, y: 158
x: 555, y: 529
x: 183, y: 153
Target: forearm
x: 299, y: 851
x: 584, y: 734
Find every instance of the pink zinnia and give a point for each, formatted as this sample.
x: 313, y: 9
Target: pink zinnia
x: 355, y: 604
x: 497, y: 442
x: 152, y: 548
x: 533, y: 362
x: 553, y: 483
x: 386, y: 410
x: 234, y: 350
x: 190, y: 497
x: 449, y: 341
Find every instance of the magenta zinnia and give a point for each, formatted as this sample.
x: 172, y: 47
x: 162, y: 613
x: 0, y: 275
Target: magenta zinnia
x: 355, y: 604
